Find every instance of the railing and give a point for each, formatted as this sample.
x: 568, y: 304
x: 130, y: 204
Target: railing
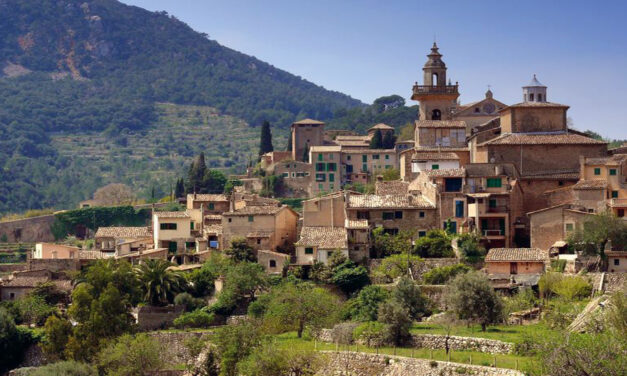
x: 427, y: 89
x: 492, y: 232
x: 614, y: 202
x: 497, y: 209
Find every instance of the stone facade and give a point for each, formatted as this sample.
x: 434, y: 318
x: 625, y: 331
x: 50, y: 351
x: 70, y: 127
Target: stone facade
x: 174, y: 342
x: 151, y: 318
x: 363, y: 364
x: 28, y: 230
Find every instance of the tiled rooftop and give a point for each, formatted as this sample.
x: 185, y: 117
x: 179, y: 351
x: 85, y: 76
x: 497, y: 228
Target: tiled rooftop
x: 123, y: 232
x: 562, y: 138
x: 172, y: 214
x: 447, y: 173
x: 590, y: 185
x: 516, y: 254
x: 381, y: 126
x: 324, y: 237
x: 253, y: 210
x: 325, y: 149
x: 440, y: 124
x: 537, y: 104
x: 388, y: 202
x: 207, y: 197
x: 431, y: 156
x: 395, y: 187
x: 213, y: 229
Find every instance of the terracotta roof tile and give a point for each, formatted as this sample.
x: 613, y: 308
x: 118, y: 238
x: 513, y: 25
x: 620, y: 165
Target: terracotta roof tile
x: 448, y: 173
x: 213, y: 229
x: 381, y: 126
x: 308, y: 121
x: 323, y: 237
x: 123, y: 232
x: 435, y: 156
x: 255, y: 210
x: 537, y: 104
x: 172, y: 214
x: 325, y: 149
x: 395, y: 187
x: 590, y: 185
x: 558, y: 138
x: 207, y: 197
x: 440, y: 124
x: 388, y: 202
x: 516, y: 254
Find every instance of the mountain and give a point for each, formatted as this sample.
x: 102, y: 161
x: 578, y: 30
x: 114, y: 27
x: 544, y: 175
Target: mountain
x: 102, y: 71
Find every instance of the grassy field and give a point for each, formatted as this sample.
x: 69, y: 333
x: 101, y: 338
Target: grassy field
x: 289, y: 340
x: 506, y: 333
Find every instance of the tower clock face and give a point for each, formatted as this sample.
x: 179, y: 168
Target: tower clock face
x: 489, y: 108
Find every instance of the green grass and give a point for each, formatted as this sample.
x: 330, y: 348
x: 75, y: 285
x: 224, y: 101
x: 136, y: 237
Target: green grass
x: 289, y: 340
x: 506, y: 333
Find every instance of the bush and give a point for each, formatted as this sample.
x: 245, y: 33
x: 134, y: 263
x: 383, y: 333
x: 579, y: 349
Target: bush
x: 366, y: 305
x: 57, y: 334
x: 195, y: 319
x: 66, y: 368
x: 189, y: 302
x: 558, y: 265
x: 34, y: 309
x: 470, y: 248
x: 524, y: 299
x: 407, y: 294
x: 547, y: 282
x: 371, y: 333
x: 437, y: 243
x: 397, y: 322
x: 572, y: 287
x: 472, y: 298
x: 133, y: 356
x: 342, y: 333
x: 13, y: 342
x: 441, y: 275
x: 395, y: 266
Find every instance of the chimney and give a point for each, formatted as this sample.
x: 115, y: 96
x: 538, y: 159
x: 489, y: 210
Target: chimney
x: 231, y: 202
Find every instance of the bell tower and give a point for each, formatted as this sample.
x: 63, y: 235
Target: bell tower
x: 437, y: 98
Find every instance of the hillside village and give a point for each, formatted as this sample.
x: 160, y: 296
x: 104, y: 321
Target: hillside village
x: 507, y: 194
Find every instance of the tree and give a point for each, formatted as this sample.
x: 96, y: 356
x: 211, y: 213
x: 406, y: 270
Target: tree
x: 377, y: 140
x: 265, y: 141
x: 13, y: 342
x: 159, y: 283
x: 131, y: 355
x: 297, y: 305
x: 366, y: 304
x: 471, y: 297
x: 240, y: 251
x: 350, y: 277
x: 596, y: 232
x: 441, y: 275
x: 268, y: 360
x: 397, y: 265
x: 196, y: 174
x: 241, y: 282
x: 57, y: 334
x: 470, y: 247
x: 385, y: 244
x: 289, y: 142
x: 389, y: 140
x: 114, y: 194
x: 179, y: 190
x: 407, y: 294
x: 437, y: 243
x: 391, y: 174
x: 397, y: 320
x: 213, y: 181
x: 235, y: 343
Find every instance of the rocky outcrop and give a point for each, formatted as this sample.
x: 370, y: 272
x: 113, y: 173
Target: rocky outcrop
x: 363, y: 364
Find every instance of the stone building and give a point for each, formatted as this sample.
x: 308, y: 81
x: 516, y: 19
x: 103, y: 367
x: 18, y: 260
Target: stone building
x: 113, y: 241
x: 480, y: 112
x: 317, y: 243
x: 305, y: 134
x: 552, y: 225
x: 513, y: 261
x: 297, y: 177
x: 272, y: 262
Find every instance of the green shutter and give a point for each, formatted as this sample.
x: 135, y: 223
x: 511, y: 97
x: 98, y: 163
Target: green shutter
x: 612, y: 171
x: 597, y: 171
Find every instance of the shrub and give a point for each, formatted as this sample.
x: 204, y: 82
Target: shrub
x: 547, y: 282
x: 66, y: 368
x: 187, y: 300
x: 572, y: 287
x: 441, y: 275
x: 57, y: 333
x: 34, y: 309
x: 522, y: 300
x: 195, y: 319
x: 437, y: 243
x: 133, y: 356
x: 371, y: 333
x: 366, y: 305
x: 396, y: 265
x: 13, y: 342
x: 472, y: 298
x: 558, y: 265
x: 407, y: 294
x: 470, y: 248
x: 398, y: 322
x: 342, y: 333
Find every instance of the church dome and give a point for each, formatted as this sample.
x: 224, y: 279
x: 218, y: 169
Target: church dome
x: 534, y: 83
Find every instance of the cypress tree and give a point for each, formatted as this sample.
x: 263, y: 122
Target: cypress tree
x: 265, y: 142
x: 388, y: 140
x: 289, y: 142
x: 196, y: 174
x: 377, y: 140
x: 306, y: 154
x: 179, y: 189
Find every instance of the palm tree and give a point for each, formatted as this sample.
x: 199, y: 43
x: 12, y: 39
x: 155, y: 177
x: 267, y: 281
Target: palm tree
x: 159, y: 283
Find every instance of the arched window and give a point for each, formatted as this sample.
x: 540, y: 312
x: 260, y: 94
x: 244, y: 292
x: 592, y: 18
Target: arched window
x: 434, y: 79
x: 531, y: 97
x: 436, y: 115
x: 539, y: 97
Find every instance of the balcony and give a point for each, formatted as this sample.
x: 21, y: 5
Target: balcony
x: 617, y: 202
x: 492, y: 232
x: 427, y: 89
x: 497, y: 209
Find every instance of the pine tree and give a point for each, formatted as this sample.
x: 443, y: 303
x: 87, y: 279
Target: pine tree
x: 377, y: 140
x: 306, y: 154
x: 289, y: 142
x: 265, y: 142
x: 389, y: 140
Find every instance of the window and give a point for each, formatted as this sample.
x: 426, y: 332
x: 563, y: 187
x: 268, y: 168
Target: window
x: 621, y: 213
x: 616, y: 262
x: 230, y: 220
x: 492, y: 203
x: 331, y: 166
x: 167, y: 226
x: 435, y: 166
x: 391, y: 231
x: 349, y: 168
x: 477, y: 110
x: 494, y: 183
x: 388, y: 215
x: 436, y: 115
x: 612, y: 171
x: 387, y: 166
x: 398, y: 214
x: 364, y: 168
x: 331, y: 177
x: 539, y: 97
x: 191, y: 225
x: 597, y: 171
x: 251, y: 218
x: 531, y: 97
x: 320, y: 157
x: 321, y: 177
x: 309, y: 251
x: 286, y: 174
x: 331, y: 187
x: 375, y: 156
x: 570, y: 227
x: 331, y: 156
x: 364, y: 158
x: 459, y: 209
x: 348, y: 157
x: 320, y: 187
x: 614, y: 194
x: 212, y: 206
x: 319, y: 166
x: 272, y: 264
x: 422, y: 233
x: 387, y: 156
x: 258, y: 241
x: 421, y: 214
x: 363, y: 215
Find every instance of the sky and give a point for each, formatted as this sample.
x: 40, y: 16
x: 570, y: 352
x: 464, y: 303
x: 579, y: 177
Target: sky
x: 368, y: 49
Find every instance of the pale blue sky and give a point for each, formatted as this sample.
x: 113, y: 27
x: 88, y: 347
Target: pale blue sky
x: 368, y: 49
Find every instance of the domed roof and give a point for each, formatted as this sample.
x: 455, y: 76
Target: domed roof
x: 534, y: 83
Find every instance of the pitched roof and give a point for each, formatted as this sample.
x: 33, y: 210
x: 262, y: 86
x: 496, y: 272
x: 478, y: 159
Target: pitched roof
x: 308, y: 121
x: 172, y: 214
x: 213, y: 229
x: 556, y: 138
x: 388, y: 202
x: 367, y: 150
x: 537, y: 104
x: 396, y: 187
x: 123, y: 232
x: 583, y: 185
x: 381, y: 126
x: 440, y: 124
x: 327, y: 149
x: 552, y: 175
x: 255, y: 210
x: 207, y: 197
x: 516, y: 254
x: 613, y: 160
x: 324, y: 237
x: 447, y: 172
x: 444, y: 156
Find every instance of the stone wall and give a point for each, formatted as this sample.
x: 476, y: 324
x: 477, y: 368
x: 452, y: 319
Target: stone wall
x: 435, y: 294
x: 423, y: 267
x: 55, y: 265
x: 151, y: 318
x: 10, y: 268
x: 174, y: 344
x: 363, y: 364
x: 28, y: 230
x: 434, y: 341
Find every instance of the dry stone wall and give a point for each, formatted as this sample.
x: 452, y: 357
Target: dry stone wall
x: 173, y: 344
x: 363, y: 364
